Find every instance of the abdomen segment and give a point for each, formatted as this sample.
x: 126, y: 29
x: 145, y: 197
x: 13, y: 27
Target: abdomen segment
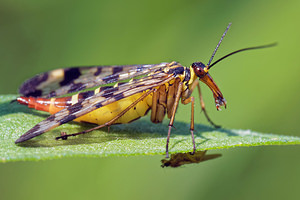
x: 99, y: 116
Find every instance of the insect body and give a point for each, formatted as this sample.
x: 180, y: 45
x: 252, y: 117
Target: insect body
x: 160, y: 89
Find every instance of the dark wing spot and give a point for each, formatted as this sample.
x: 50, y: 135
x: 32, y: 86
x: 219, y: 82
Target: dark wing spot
x: 34, y: 129
x: 119, y: 96
x: 35, y: 93
x: 39, y: 79
x: 74, y: 108
x: 109, y: 91
x: 111, y: 79
x: 29, y: 87
x: 98, y: 72
x: 76, y: 87
x: 98, y: 105
x: 117, y: 69
x: 67, y: 119
x: 122, y: 83
x: 105, y: 88
x: 70, y: 75
x: 51, y: 118
x: 85, y: 95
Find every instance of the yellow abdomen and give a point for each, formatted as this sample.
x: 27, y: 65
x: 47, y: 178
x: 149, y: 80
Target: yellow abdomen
x: 106, y: 113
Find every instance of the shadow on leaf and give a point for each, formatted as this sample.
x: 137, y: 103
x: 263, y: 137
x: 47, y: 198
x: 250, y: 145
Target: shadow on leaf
x: 137, y: 130
x: 11, y: 107
x: 180, y: 159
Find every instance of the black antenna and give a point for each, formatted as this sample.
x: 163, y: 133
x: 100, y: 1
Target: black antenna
x: 240, y: 50
x: 218, y: 45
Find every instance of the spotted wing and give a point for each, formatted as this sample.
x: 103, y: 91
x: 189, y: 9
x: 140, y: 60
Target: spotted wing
x: 99, y: 100
x: 63, y: 81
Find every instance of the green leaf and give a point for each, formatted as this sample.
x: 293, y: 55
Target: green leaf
x: 137, y: 138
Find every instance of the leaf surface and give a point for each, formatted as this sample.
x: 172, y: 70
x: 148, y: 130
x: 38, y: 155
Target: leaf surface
x: 138, y: 138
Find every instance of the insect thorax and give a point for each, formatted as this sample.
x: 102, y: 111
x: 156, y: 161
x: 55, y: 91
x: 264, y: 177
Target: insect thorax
x: 164, y: 98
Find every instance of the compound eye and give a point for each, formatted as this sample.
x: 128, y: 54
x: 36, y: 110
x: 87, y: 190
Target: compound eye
x: 199, y: 69
x: 200, y: 72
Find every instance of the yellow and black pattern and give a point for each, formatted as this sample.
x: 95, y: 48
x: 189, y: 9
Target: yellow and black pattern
x: 101, y: 98
x: 160, y: 90
x: 63, y: 81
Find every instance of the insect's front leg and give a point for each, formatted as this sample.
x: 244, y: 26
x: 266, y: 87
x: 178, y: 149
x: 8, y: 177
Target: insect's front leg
x: 191, y: 89
x: 192, y: 101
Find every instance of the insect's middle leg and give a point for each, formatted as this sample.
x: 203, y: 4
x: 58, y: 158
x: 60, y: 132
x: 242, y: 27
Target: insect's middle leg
x: 64, y: 136
x: 192, y: 101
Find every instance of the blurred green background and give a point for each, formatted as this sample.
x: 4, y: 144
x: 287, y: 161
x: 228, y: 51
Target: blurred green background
x: 261, y: 88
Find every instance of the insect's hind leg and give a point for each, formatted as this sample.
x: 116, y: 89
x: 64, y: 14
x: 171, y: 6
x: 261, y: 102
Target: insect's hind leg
x: 64, y: 136
x: 203, y: 108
